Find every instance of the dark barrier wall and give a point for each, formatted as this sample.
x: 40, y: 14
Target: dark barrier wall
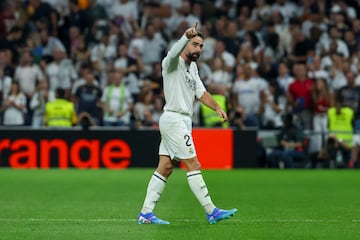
x: 245, y: 149
x: 216, y: 148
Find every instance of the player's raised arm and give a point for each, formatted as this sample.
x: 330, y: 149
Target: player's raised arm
x: 171, y: 61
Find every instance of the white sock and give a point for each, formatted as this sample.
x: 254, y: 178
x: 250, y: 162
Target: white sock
x: 198, y: 187
x: 155, y: 187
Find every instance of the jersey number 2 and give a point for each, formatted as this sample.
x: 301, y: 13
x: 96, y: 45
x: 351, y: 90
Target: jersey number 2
x: 187, y: 140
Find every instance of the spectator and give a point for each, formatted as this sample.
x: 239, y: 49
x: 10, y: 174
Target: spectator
x: 351, y: 97
x: 123, y: 10
x: 335, y: 63
x: 41, y: 11
x: 208, y: 51
x: 158, y: 110
x: 79, y: 52
x: 75, y: 17
x: 349, y: 38
x: 136, y: 44
x: 103, y: 54
x: 60, y: 112
x: 273, y: 110
x: 338, y: 20
x: 88, y: 98
x: 86, y: 121
x: 284, y: 79
x: 219, y: 28
x: 117, y: 103
x: 299, y: 96
x: 285, y: 32
x: 231, y: 39
x: 247, y: 94
x: 315, y: 69
x: 49, y: 44
x: 83, y: 71
x: 74, y: 40
x: 287, y: 8
x: 5, y: 79
x: 27, y: 73
x: 339, y: 141
x: 220, y: 79
x: 236, y: 118
x: 314, y: 18
x: 6, y: 65
x: 7, y: 18
x: 316, y: 34
x: 335, y: 36
x: 13, y: 42
x: 322, y: 100
x: 261, y: 11
x: 185, y: 14
x: 130, y: 67
x: 32, y: 44
x: 355, y: 24
x: 228, y: 58
x: 155, y: 77
x: 272, y: 52
x: 290, y: 145
x: 38, y: 102
x: 253, y: 43
x: 61, y: 72
x: 144, y: 107
x: 95, y: 13
x: 154, y: 41
x: 246, y: 56
x: 302, y: 47
x: 14, y: 106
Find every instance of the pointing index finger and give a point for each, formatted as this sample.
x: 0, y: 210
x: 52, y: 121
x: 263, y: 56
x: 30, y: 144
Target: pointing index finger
x: 196, y: 24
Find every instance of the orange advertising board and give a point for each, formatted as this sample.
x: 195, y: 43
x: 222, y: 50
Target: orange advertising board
x: 214, y: 147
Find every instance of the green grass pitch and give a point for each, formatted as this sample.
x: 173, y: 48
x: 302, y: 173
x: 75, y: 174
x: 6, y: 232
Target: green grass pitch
x: 103, y: 204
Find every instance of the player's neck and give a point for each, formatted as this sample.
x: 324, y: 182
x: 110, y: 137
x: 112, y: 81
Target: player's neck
x: 186, y: 59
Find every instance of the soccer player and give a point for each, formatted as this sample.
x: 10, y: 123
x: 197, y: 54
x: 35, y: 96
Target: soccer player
x: 181, y: 85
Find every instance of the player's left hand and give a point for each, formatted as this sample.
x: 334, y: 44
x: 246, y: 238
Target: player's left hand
x: 222, y: 114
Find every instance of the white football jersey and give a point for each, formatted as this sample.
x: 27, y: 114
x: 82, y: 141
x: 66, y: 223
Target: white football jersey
x: 181, y: 81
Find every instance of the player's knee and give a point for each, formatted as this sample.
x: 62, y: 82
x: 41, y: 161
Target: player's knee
x: 165, y: 170
x: 192, y: 164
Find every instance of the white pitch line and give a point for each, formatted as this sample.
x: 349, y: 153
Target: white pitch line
x: 176, y: 220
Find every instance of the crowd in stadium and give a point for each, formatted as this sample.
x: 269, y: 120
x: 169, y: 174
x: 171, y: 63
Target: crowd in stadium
x: 261, y: 60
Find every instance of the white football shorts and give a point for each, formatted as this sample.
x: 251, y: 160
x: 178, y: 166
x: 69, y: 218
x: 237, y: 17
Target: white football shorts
x: 176, y: 138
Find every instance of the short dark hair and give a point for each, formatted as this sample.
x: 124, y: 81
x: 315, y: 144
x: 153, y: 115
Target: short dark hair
x: 60, y: 93
x: 200, y: 34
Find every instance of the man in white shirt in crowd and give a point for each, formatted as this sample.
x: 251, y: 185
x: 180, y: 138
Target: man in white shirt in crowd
x: 116, y: 102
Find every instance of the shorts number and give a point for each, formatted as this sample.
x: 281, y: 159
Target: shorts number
x: 187, y: 142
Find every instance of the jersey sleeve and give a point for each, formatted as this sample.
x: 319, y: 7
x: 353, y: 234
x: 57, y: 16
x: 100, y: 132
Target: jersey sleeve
x: 171, y: 60
x: 200, y: 88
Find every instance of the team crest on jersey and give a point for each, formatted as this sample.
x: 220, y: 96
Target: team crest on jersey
x: 190, y: 82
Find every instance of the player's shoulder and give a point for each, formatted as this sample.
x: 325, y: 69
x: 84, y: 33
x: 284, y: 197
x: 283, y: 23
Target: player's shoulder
x: 169, y: 64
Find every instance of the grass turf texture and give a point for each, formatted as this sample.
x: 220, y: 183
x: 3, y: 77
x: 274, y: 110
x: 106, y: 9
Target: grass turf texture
x: 103, y: 204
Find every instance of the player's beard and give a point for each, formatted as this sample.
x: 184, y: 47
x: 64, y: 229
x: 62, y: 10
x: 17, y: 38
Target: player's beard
x: 193, y: 56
